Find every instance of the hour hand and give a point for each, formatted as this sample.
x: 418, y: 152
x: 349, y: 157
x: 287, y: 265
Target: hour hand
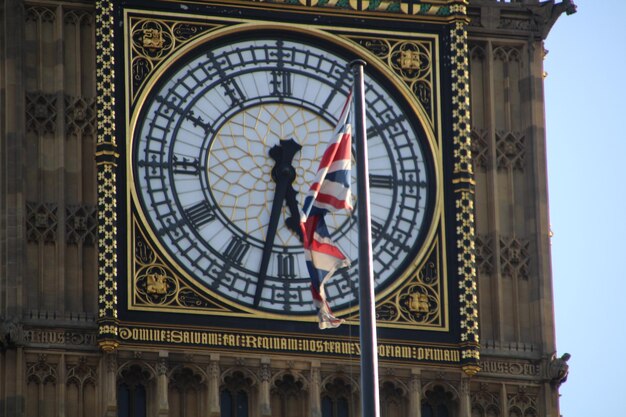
x: 293, y: 221
x: 283, y: 175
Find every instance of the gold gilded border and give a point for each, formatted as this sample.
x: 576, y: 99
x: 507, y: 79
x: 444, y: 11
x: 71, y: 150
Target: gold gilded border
x: 433, y: 11
x: 463, y: 185
x: 436, y: 228
x: 107, y: 161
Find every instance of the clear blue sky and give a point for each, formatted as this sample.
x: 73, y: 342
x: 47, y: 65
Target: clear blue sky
x: 586, y: 113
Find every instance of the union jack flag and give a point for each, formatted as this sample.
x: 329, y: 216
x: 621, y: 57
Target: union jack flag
x: 329, y: 192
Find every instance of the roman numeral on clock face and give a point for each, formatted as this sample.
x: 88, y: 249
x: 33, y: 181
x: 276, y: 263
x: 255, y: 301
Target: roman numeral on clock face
x: 281, y: 83
x: 286, y: 266
x: 381, y: 181
x: 200, y: 213
x: 236, y: 250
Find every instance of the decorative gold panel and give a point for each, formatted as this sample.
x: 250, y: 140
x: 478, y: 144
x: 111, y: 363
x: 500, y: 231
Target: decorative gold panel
x: 154, y: 40
x: 412, y: 62
x: 419, y: 301
x: 156, y: 285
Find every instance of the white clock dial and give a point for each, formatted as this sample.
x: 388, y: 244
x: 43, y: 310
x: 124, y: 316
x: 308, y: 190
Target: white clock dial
x: 202, y: 169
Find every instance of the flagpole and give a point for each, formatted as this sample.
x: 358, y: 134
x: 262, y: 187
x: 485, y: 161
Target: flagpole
x: 370, y: 406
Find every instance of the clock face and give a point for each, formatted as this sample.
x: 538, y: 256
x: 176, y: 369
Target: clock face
x: 201, y: 169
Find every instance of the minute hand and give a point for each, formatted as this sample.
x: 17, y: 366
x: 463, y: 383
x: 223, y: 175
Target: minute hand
x: 283, y: 175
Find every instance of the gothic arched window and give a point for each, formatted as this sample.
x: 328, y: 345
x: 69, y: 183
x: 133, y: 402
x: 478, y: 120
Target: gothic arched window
x: 185, y: 390
x: 131, y: 392
x: 234, y: 398
x: 438, y: 403
x: 393, y: 402
x: 337, y: 399
x: 288, y: 399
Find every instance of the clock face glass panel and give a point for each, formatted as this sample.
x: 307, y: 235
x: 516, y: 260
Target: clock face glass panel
x: 202, y: 172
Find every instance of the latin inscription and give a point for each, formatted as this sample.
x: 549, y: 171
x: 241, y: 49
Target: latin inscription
x: 53, y: 337
x: 509, y: 368
x: 287, y: 344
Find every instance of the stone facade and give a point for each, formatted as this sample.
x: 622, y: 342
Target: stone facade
x: 50, y: 362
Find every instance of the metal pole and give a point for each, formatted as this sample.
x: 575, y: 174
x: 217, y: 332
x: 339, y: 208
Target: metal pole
x: 370, y: 406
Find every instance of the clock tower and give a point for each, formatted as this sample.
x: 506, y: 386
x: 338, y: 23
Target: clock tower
x: 156, y: 157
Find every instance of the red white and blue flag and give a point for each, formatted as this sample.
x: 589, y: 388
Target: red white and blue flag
x: 329, y: 192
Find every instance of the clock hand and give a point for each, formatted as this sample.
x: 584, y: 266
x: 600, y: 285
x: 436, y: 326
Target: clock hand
x: 293, y: 221
x: 283, y: 175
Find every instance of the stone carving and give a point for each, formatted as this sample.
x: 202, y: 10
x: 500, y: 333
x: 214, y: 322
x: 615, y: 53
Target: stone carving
x: 80, y: 115
x: 41, y: 222
x: 265, y: 373
x: 507, y: 54
x: 537, y: 18
x: 288, y: 386
x: 41, y: 372
x: 439, y: 395
x: 522, y: 403
x: 392, y: 392
x: 514, y: 257
x: 11, y: 332
x: 161, y: 367
x: 58, y: 337
x: 81, y: 374
x: 510, y: 150
x: 40, y: 14
x: 235, y: 380
x: 134, y: 375
x: 484, y: 254
x: 510, y: 368
x: 41, y: 113
x: 477, y: 51
x: 185, y: 379
x: 518, y: 24
x: 338, y: 388
x: 485, y: 403
x: 464, y: 387
x: 214, y: 369
x: 111, y: 362
x: 78, y: 17
x: 81, y: 224
x: 475, y: 20
x: 558, y: 369
x: 480, y: 148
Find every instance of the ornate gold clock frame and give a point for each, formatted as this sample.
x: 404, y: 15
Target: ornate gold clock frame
x: 428, y: 314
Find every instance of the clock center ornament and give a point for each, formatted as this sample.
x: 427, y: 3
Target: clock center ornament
x: 227, y: 140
